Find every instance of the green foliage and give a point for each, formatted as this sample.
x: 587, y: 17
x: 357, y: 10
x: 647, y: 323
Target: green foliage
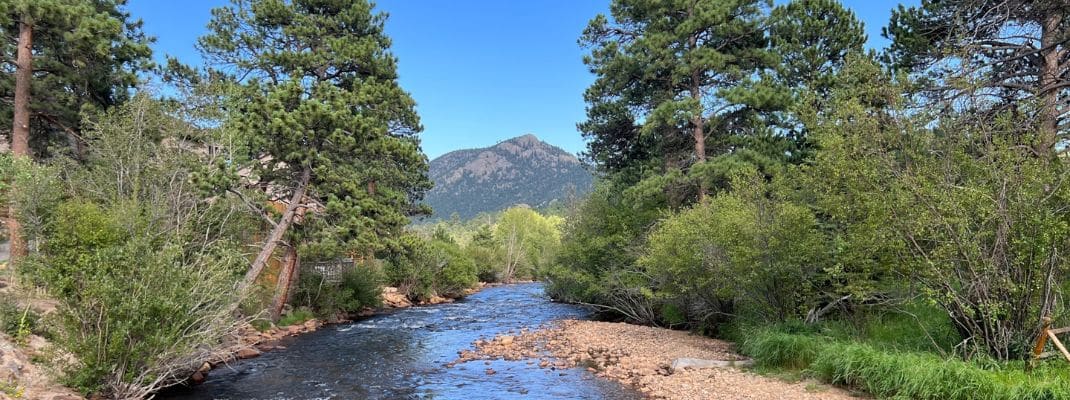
x: 296, y: 317
x: 737, y: 254
x: 602, y: 237
x: 129, y: 305
x: 313, y: 86
x: 18, y: 321
x: 87, y: 57
x: 142, y: 266
x: 357, y: 289
x: 427, y: 268
x: 529, y: 240
x: 897, y: 374
x: 965, y: 209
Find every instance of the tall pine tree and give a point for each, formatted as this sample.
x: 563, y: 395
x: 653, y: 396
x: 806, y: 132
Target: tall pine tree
x: 680, y: 64
x: 315, y: 94
x: 63, y: 58
x: 990, y: 55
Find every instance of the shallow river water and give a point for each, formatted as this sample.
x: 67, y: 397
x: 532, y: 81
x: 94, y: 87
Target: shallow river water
x: 401, y: 355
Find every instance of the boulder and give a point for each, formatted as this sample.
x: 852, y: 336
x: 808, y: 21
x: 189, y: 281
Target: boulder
x: 698, y: 363
x: 247, y: 352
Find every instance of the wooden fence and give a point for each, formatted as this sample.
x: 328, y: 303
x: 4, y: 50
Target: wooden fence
x: 332, y: 271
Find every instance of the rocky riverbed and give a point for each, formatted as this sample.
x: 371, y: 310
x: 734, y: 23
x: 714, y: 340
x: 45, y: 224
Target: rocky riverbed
x: 643, y: 358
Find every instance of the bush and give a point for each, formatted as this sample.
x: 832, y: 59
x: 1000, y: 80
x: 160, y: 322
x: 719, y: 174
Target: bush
x: 143, y: 264
x: 358, y: 288
x: 600, y: 238
x: 457, y: 272
x: 136, y: 314
x: 426, y: 268
x: 18, y: 321
x: 736, y: 254
x: 488, y: 260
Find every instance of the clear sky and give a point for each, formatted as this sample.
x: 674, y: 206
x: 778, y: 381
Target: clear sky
x: 481, y: 71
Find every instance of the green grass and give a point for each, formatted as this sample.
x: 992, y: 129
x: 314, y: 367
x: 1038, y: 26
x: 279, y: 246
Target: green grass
x: 900, y: 374
x: 298, y: 316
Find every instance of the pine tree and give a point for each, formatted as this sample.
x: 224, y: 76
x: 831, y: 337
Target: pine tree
x: 70, y: 57
x: 681, y: 62
x: 989, y: 54
x: 315, y: 94
x: 813, y: 40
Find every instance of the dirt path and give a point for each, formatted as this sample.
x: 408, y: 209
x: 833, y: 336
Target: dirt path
x: 641, y: 357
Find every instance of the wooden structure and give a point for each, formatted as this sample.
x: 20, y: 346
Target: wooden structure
x: 1047, y: 333
x: 332, y: 271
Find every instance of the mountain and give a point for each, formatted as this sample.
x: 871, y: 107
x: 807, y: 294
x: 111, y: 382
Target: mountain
x: 521, y: 170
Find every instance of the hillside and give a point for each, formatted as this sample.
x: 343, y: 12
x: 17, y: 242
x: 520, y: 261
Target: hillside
x: 521, y: 170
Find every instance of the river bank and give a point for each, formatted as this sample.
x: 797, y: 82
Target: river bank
x: 252, y: 342
x: 643, y: 358
x: 404, y: 353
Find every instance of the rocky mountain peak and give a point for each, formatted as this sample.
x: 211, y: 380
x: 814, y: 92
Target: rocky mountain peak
x: 523, y: 169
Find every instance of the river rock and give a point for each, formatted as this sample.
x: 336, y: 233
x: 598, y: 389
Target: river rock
x: 247, y: 352
x: 698, y: 363
x: 506, y: 340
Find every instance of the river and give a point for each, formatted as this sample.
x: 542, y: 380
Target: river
x: 401, y: 355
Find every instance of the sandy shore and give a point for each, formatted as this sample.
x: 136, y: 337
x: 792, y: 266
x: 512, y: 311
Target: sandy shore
x: 642, y: 357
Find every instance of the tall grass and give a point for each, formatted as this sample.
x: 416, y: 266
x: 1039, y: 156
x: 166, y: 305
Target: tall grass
x: 898, y: 374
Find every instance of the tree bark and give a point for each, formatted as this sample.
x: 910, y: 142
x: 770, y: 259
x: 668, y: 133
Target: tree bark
x: 20, y: 130
x: 277, y: 231
x: 287, y: 276
x: 1049, y: 79
x: 699, y: 123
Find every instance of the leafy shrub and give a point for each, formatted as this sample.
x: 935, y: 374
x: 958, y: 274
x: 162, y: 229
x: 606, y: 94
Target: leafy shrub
x: 737, y: 254
x: 18, y: 321
x: 136, y: 315
x: 143, y: 264
x: 426, y: 268
x: 458, y: 271
x: 486, y: 255
x: 358, y: 288
x: 600, y: 238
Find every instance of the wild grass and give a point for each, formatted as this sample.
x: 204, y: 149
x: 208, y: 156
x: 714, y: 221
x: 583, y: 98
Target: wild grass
x: 900, y: 374
x: 298, y: 316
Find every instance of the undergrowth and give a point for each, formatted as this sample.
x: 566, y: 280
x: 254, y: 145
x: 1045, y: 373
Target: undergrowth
x: 901, y: 374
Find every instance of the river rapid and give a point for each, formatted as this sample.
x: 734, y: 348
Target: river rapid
x: 401, y: 355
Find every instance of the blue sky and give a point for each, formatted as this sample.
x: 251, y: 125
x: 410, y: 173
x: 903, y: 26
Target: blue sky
x: 481, y: 71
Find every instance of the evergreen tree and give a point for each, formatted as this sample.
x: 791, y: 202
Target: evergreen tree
x: 315, y: 93
x: 683, y: 65
x: 812, y: 39
x: 81, y: 55
x: 988, y: 54
x: 63, y: 58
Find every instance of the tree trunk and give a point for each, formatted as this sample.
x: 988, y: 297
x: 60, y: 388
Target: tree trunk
x: 287, y: 275
x: 1048, y: 79
x: 698, y: 121
x: 278, y: 231
x: 20, y: 130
